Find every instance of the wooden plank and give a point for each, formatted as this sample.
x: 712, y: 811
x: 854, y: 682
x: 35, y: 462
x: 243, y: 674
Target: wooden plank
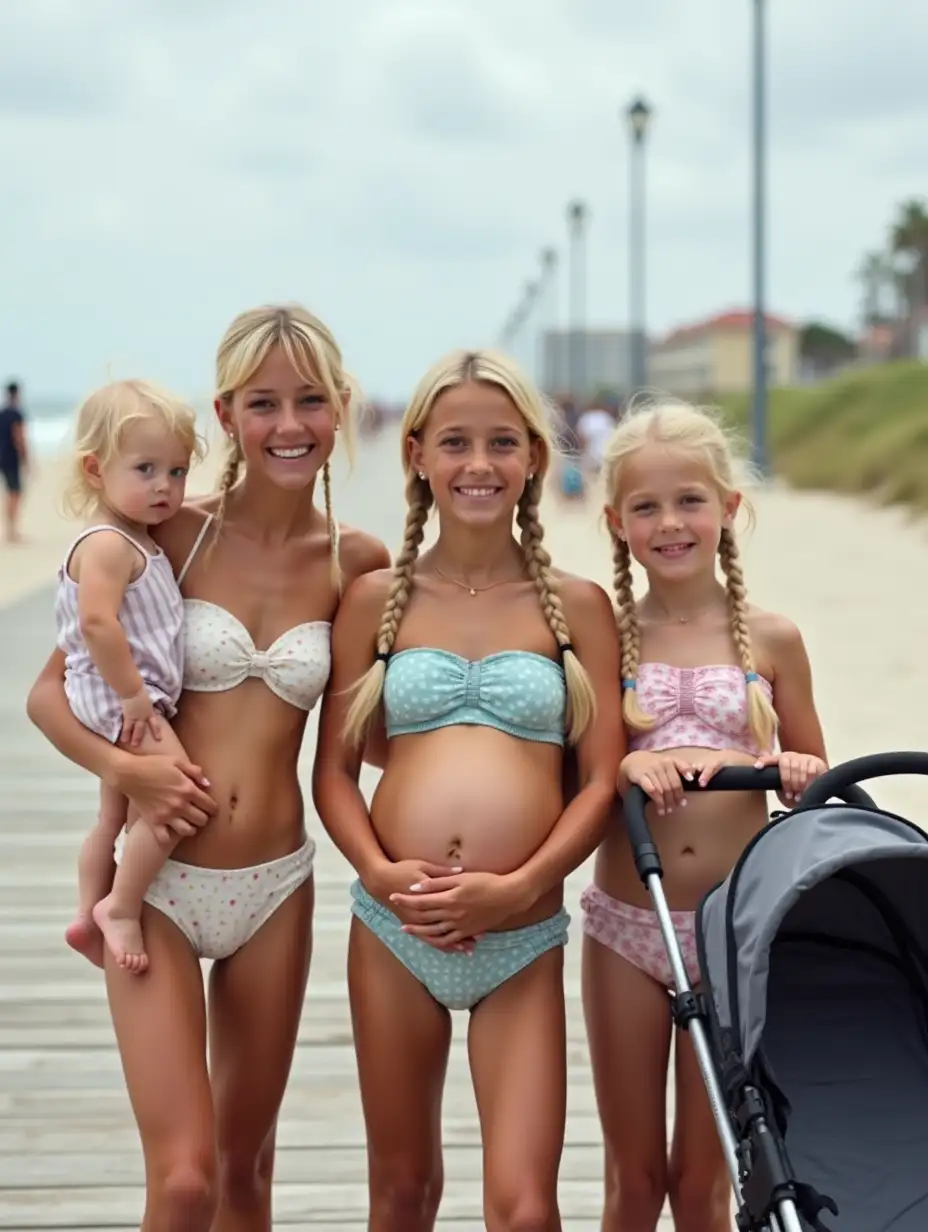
x: 323, y: 1204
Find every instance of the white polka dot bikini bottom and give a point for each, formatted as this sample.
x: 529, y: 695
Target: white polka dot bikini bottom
x: 219, y: 909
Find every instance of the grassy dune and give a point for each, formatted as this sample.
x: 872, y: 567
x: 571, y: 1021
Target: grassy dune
x: 864, y: 433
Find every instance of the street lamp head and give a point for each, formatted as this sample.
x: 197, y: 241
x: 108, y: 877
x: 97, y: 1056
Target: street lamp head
x: 639, y: 117
x: 576, y: 212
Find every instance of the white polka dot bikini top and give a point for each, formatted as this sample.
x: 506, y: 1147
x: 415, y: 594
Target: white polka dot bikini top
x: 220, y: 653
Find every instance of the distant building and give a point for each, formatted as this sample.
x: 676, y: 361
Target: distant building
x: 716, y: 356
x: 585, y: 364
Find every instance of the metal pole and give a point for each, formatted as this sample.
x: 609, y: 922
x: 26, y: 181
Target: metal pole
x: 577, y: 217
x: 529, y: 300
x: 548, y: 374
x: 636, y: 263
x: 638, y: 115
x: 759, y: 415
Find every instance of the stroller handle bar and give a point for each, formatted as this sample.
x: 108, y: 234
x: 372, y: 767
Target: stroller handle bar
x: 747, y: 778
x: 839, y: 779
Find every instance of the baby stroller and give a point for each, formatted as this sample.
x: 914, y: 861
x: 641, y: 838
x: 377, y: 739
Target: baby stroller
x: 812, y: 1033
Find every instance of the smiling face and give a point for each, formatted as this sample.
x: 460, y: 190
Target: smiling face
x: 670, y: 512
x: 284, y: 424
x: 476, y: 452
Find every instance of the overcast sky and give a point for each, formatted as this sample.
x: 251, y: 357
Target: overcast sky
x: 398, y: 164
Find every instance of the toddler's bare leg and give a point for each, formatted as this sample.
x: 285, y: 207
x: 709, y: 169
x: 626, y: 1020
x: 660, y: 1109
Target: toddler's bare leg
x: 95, y: 874
x: 118, y: 914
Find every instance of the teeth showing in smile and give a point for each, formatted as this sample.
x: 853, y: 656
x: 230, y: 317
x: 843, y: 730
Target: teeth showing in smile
x: 299, y: 452
x: 675, y: 549
x: 478, y: 491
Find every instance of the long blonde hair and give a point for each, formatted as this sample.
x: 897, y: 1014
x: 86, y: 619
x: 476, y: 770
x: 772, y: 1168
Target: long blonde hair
x: 312, y: 350
x: 458, y: 368
x: 697, y: 432
x: 102, y: 420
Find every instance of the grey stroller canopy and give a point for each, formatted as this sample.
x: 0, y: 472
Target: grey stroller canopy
x: 814, y: 953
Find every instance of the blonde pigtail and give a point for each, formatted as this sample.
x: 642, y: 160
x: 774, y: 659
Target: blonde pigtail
x: 227, y: 481
x: 338, y: 578
x: 581, y: 707
x: 629, y: 635
x: 370, y: 686
x: 762, y: 717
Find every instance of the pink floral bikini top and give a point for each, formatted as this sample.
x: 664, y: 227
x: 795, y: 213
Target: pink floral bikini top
x: 695, y: 707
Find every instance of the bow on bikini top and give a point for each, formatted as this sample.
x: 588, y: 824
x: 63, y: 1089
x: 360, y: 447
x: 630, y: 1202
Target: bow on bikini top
x: 695, y: 707
x: 515, y: 691
x: 220, y: 653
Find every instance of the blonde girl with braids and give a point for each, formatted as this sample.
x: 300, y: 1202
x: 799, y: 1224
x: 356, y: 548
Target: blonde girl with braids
x: 708, y: 680
x: 261, y: 567
x: 485, y: 665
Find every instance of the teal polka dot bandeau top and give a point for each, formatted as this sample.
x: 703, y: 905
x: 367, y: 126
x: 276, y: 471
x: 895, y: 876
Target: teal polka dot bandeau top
x: 515, y: 691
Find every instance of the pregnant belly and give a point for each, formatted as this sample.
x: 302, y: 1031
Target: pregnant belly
x: 467, y: 796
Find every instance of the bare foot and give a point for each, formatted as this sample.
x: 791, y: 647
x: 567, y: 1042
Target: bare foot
x: 84, y: 936
x: 123, y: 936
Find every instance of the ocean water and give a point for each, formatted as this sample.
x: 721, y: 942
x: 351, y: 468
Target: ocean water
x: 50, y: 424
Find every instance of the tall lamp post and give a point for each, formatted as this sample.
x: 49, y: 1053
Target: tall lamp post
x: 759, y: 411
x: 638, y: 115
x: 577, y: 217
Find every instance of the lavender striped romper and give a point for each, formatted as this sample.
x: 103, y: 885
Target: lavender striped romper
x: 152, y: 617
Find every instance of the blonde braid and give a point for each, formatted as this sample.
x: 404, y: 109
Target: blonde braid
x: 332, y: 526
x: 762, y: 717
x: 581, y: 698
x: 629, y: 635
x: 370, y: 686
x: 227, y: 481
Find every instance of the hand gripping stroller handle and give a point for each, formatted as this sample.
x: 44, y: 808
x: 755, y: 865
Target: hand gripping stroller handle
x: 840, y: 781
x: 729, y: 778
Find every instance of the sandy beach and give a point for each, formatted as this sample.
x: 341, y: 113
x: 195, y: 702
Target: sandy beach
x: 855, y: 579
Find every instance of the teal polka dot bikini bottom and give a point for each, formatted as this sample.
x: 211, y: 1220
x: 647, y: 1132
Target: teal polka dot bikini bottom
x: 457, y: 980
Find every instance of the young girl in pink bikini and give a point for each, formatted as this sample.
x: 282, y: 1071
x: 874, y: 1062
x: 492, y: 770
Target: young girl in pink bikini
x: 708, y: 681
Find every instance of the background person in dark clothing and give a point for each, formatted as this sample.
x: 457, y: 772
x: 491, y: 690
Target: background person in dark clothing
x: 13, y: 458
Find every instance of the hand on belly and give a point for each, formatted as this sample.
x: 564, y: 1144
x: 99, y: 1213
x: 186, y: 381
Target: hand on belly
x: 459, y: 908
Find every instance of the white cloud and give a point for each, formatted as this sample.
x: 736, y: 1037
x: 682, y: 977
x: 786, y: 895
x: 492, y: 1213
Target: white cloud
x: 398, y: 164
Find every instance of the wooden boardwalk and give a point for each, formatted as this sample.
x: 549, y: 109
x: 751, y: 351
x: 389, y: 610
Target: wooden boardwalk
x: 69, y: 1154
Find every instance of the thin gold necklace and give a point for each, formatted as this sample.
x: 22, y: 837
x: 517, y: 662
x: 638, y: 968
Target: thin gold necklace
x: 667, y: 619
x: 473, y: 590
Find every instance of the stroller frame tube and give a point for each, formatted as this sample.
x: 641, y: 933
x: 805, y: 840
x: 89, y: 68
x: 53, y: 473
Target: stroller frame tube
x: 690, y: 1017
x: 763, y: 1186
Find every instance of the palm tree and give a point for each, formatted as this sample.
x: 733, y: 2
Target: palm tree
x: 876, y: 277
x: 909, y: 239
x: 910, y: 231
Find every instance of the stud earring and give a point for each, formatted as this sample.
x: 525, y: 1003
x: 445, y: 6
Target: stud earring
x: 422, y: 475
